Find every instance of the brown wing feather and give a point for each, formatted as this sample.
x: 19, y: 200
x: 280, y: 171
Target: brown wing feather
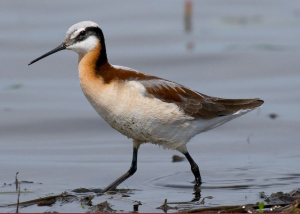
x: 196, y: 104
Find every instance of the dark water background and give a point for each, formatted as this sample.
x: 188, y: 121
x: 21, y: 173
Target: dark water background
x: 236, y: 49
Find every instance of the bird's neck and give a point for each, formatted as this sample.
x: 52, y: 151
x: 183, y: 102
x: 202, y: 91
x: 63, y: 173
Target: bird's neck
x: 92, y: 70
x: 96, y: 57
x: 93, y: 62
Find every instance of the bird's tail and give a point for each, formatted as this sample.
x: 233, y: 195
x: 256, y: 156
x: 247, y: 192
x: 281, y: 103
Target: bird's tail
x: 232, y: 106
x: 227, y: 109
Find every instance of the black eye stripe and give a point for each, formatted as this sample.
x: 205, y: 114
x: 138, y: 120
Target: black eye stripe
x: 82, y: 33
x: 81, y: 36
x: 85, y: 33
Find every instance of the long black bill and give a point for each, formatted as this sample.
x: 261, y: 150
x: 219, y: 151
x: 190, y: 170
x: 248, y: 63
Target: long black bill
x: 59, y: 48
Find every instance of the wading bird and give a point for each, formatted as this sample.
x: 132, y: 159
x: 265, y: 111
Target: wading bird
x: 142, y: 107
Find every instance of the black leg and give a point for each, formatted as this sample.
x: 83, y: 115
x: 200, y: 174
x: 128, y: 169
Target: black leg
x: 194, y: 168
x: 197, y: 193
x: 130, y: 172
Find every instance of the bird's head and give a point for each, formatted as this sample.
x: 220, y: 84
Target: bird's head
x: 82, y: 38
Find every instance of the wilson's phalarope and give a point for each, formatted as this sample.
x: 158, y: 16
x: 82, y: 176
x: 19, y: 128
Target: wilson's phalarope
x: 143, y: 107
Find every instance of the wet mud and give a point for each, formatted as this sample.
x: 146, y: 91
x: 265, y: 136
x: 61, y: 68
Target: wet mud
x: 275, y: 203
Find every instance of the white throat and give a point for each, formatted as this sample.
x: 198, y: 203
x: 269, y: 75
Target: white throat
x: 85, y: 46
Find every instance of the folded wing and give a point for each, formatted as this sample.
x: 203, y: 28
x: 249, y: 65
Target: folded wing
x: 193, y: 103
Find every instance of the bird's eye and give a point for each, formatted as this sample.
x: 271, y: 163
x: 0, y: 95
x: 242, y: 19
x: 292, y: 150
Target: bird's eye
x: 82, y: 33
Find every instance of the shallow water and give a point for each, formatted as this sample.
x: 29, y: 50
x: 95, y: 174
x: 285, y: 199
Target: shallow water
x: 52, y: 136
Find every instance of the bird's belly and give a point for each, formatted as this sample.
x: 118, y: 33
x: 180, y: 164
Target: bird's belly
x: 153, y: 129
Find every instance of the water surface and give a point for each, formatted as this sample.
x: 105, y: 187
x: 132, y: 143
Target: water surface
x: 51, y: 135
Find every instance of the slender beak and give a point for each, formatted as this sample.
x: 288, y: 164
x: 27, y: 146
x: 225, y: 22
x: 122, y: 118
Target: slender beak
x: 62, y: 46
